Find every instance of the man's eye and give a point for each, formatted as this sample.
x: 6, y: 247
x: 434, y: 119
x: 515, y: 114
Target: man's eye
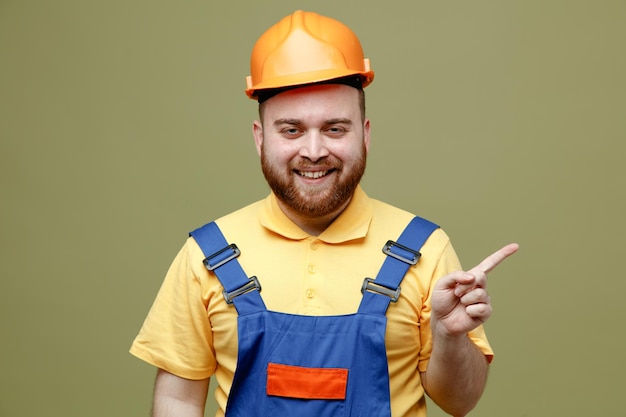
x: 336, y: 130
x: 291, y: 132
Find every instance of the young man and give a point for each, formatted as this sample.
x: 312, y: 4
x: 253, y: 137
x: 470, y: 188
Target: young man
x: 312, y: 333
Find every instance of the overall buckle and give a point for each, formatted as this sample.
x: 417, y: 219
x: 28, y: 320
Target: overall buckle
x: 369, y: 284
x: 252, y: 285
x: 221, y: 257
x: 404, y: 257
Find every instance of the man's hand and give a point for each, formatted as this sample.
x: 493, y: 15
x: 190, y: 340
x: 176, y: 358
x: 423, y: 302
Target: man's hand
x: 460, y: 299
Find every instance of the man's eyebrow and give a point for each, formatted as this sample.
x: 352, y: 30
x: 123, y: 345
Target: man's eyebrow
x: 298, y: 122
x: 343, y: 121
x: 279, y: 122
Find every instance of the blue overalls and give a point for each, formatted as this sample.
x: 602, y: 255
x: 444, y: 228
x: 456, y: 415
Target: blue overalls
x: 311, y: 366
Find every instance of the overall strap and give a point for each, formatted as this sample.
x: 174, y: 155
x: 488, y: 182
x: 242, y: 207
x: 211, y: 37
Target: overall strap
x: 401, y: 255
x: 221, y: 258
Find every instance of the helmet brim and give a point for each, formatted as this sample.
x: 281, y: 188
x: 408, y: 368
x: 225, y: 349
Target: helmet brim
x: 307, y: 78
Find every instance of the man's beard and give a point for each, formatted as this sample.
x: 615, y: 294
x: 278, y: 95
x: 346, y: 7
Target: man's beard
x: 312, y: 201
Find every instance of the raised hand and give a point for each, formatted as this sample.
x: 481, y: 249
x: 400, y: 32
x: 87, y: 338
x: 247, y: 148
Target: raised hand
x: 460, y: 300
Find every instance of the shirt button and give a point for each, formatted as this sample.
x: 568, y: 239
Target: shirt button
x: 311, y: 269
x: 314, y: 244
x: 309, y: 293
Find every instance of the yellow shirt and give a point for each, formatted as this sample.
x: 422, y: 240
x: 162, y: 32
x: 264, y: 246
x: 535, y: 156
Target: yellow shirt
x: 190, y: 331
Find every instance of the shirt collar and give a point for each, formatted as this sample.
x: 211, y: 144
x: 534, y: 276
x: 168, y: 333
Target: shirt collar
x: 352, y: 223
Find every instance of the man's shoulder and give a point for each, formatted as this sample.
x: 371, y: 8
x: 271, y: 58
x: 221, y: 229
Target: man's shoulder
x: 387, y: 211
x: 241, y: 218
x: 389, y: 219
x: 244, y: 213
x: 380, y: 205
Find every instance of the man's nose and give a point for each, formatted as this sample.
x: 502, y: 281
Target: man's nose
x: 314, y: 146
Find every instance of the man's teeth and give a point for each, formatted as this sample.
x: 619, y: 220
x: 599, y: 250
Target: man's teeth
x: 316, y: 174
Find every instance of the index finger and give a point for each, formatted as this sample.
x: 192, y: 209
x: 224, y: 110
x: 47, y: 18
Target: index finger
x: 495, y: 258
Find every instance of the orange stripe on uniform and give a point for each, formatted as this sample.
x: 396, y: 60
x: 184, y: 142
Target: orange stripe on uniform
x: 307, y: 383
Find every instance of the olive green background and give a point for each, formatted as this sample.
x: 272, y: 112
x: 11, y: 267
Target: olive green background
x: 123, y: 125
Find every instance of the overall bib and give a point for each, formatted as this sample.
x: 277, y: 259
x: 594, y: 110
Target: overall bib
x: 311, y: 366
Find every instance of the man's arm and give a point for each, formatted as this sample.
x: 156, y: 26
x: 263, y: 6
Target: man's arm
x: 456, y: 375
x: 457, y: 369
x: 178, y: 397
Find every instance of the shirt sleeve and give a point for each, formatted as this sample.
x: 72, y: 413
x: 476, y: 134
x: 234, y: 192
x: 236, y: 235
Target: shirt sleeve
x: 176, y: 335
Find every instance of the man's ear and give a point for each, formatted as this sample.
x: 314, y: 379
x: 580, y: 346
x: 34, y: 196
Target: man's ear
x: 366, y: 135
x: 257, y: 132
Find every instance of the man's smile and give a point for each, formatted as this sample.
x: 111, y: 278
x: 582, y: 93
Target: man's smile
x: 313, y: 174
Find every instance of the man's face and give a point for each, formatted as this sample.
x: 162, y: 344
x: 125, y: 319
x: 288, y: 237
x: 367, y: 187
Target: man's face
x: 313, y: 145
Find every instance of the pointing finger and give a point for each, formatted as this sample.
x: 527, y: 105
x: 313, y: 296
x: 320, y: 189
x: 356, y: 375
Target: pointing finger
x: 495, y: 258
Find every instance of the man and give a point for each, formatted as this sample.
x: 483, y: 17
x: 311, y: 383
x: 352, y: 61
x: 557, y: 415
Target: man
x: 307, y: 335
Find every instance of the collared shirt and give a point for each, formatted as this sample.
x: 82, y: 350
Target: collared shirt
x: 191, y: 331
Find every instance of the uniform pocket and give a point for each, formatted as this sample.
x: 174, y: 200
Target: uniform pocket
x: 306, y: 383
